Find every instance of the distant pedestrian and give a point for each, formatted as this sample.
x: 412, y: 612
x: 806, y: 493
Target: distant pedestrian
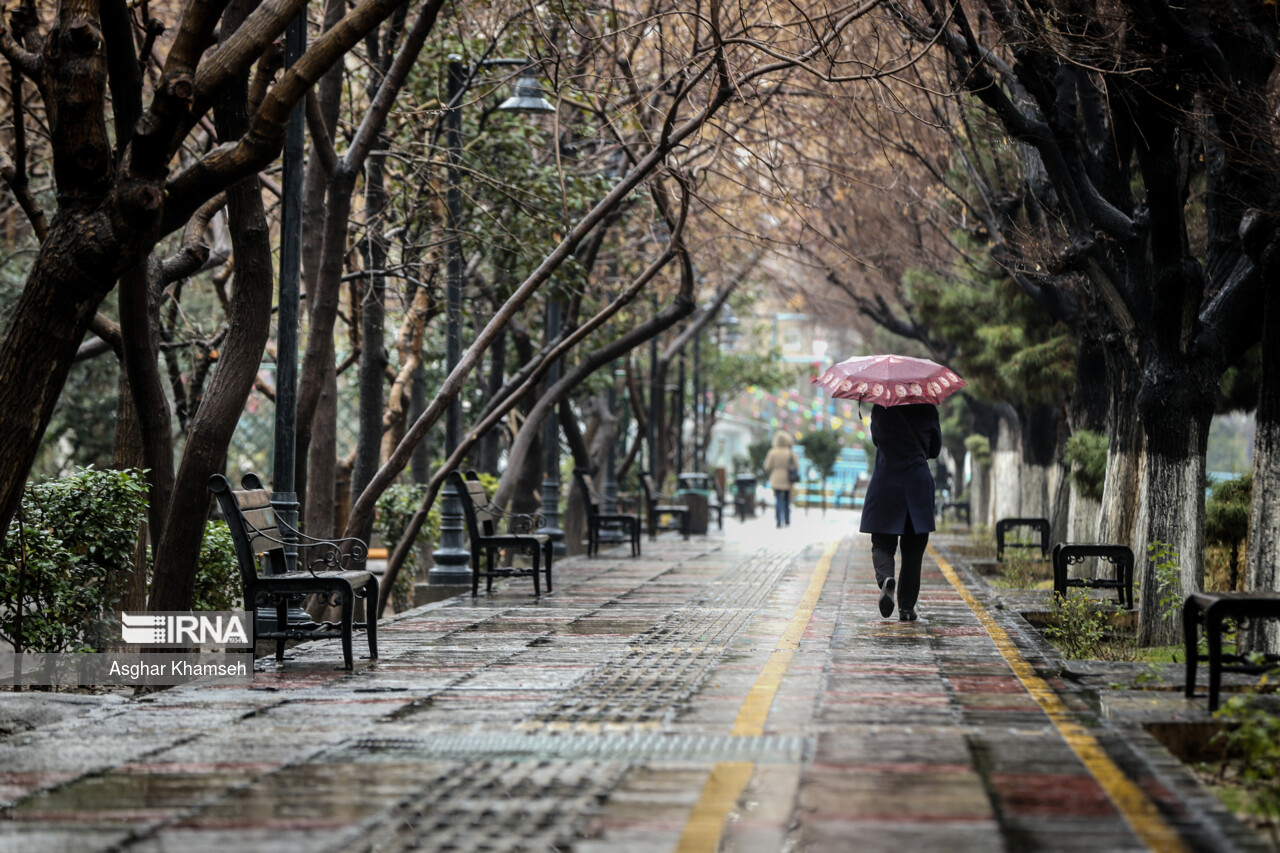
x: 782, y: 467
x: 898, y: 509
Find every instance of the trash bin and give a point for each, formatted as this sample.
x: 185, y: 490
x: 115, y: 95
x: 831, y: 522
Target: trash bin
x: 693, y: 489
x: 744, y: 496
x: 694, y: 480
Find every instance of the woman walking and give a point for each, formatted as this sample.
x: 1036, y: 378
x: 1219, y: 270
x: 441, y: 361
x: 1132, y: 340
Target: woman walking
x: 898, y: 510
x: 779, y: 462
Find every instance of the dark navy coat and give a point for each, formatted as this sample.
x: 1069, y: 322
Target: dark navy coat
x: 906, y: 438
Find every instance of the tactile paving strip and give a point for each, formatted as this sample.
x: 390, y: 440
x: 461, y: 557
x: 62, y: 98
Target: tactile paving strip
x: 630, y: 748
x: 496, y: 806
x: 669, y: 662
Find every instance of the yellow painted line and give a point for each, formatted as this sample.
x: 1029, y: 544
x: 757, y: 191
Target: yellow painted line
x: 1132, y: 803
x: 705, y: 826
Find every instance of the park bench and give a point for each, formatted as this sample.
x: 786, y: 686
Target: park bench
x: 482, y: 519
x: 1004, y: 525
x: 1212, y: 609
x: 598, y: 520
x: 256, y: 531
x: 957, y: 509
x: 654, y: 509
x: 1066, y: 554
x: 715, y: 503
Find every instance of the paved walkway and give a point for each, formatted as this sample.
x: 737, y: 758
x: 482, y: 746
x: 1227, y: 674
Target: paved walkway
x: 735, y: 692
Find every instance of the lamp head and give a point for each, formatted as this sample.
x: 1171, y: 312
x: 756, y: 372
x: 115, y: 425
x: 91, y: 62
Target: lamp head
x: 528, y: 97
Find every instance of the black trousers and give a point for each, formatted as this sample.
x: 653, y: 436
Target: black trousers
x: 883, y: 546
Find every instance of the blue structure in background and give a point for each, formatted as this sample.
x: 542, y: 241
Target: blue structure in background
x: 840, y: 485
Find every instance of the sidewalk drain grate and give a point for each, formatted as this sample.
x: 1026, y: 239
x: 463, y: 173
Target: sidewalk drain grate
x: 656, y: 747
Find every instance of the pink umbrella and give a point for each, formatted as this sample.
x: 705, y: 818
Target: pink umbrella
x: 890, y: 380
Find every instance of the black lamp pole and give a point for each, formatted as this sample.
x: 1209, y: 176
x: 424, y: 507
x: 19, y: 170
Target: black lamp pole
x: 452, y: 559
x: 680, y: 381
x: 698, y: 438
x: 551, y: 445
x: 609, y: 498
x: 284, y: 496
x: 651, y: 434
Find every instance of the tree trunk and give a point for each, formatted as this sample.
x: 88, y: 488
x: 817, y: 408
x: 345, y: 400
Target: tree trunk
x: 1173, y: 484
x: 979, y: 492
x: 373, y: 355
x: 322, y: 519
x: 1039, y: 446
x: 487, y: 459
x: 127, y: 453
x: 323, y: 299
x: 1264, y: 512
x: 1118, y: 513
x: 1006, y: 462
x: 249, y: 320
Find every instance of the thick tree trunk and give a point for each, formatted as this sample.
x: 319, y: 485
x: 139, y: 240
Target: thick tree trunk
x: 979, y: 492
x: 1173, y: 484
x: 1006, y: 464
x: 1118, y: 514
x: 1262, y: 573
x: 1039, y: 453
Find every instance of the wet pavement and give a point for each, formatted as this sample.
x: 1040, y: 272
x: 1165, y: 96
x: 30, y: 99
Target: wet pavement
x: 738, y: 691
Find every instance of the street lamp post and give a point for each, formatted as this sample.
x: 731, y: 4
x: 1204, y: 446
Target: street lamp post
x: 697, y: 402
x: 452, y: 558
x: 284, y: 497
x: 611, y: 532
x: 651, y: 436
x: 551, y: 445
x: 679, y: 419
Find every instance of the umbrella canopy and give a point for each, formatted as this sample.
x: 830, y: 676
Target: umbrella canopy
x: 890, y: 380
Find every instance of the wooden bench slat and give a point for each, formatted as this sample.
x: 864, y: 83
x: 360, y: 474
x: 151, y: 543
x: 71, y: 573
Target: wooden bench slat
x: 253, y: 498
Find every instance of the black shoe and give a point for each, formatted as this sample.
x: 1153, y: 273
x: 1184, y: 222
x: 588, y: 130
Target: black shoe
x: 906, y: 614
x: 886, y: 596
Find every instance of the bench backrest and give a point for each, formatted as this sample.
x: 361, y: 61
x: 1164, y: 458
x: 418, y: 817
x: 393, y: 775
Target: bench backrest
x: 650, y: 489
x: 1040, y: 525
x: 588, y: 492
x: 252, y: 522
x: 472, y: 497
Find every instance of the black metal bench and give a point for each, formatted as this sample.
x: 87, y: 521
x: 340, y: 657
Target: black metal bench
x: 330, y: 571
x: 957, y: 508
x: 482, y: 518
x: 715, y: 503
x: 1066, y: 554
x: 598, y: 521
x: 654, y: 509
x: 1004, y: 525
x: 1211, y: 609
